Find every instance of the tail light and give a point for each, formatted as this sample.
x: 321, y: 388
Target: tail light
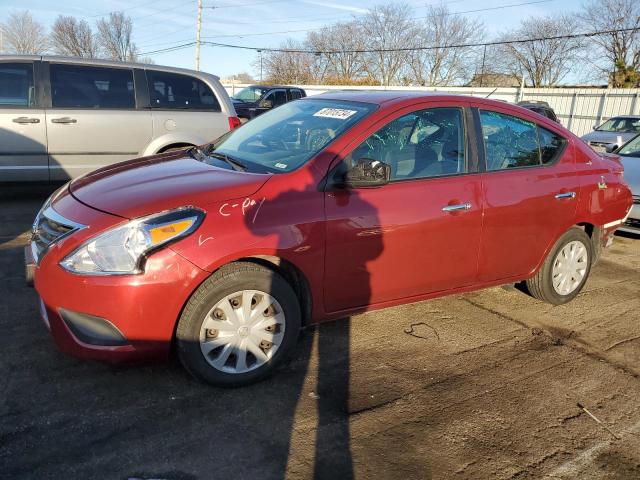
x: 234, y: 122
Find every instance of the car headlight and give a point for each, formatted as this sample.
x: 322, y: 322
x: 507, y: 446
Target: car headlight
x: 122, y: 250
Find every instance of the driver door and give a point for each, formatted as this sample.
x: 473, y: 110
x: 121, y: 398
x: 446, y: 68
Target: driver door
x: 417, y: 234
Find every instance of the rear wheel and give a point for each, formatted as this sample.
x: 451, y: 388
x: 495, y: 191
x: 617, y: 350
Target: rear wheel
x: 565, y: 270
x: 238, y: 325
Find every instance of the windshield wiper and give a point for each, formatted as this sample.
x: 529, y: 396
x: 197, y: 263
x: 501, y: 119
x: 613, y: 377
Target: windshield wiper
x: 196, y: 153
x: 235, y: 164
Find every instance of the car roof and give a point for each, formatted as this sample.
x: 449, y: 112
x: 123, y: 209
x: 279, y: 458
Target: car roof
x: 380, y: 97
x: 624, y: 116
x: 273, y: 86
x: 103, y: 63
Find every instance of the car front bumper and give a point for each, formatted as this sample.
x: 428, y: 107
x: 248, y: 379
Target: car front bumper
x: 110, y: 317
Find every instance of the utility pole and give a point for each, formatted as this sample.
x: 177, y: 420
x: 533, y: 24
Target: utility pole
x: 198, y: 28
x: 260, y: 52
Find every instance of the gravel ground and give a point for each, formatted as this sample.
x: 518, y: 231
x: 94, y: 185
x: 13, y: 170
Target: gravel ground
x: 482, y: 385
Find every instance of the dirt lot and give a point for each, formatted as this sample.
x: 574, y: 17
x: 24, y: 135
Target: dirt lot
x: 485, y: 385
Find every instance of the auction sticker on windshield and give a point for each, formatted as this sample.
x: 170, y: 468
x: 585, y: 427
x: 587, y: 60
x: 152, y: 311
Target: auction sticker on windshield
x: 339, y: 113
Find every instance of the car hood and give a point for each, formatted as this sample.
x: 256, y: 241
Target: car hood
x: 608, y: 137
x: 162, y: 182
x: 632, y: 173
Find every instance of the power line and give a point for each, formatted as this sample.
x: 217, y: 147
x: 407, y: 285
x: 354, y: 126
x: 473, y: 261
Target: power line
x: 401, y: 49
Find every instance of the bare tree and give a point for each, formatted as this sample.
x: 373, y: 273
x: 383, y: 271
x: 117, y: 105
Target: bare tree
x: 114, y: 37
x: 388, y: 27
x: 73, y: 37
x: 23, y: 35
x: 622, y: 49
x: 343, y: 66
x: 545, y: 61
x: 290, y: 66
x: 442, y: 64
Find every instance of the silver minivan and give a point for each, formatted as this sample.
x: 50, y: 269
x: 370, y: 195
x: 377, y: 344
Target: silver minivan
x: 63, y: 117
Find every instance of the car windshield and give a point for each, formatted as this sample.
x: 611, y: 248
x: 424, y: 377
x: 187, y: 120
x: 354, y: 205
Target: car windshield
x: 632, y: 148
x: 620, y: 124
x: 249, y: 94
x: 286, y: 137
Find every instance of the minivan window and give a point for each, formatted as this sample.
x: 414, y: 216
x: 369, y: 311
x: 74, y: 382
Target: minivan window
x: 285, y: 138
x: 422, y: 144
x: 295, y: 94
x: 509, y: 141
x: 620, y: 124
x: 16, y: 85
x: 78, y: 86
x: 250, y: 94
x: 177, y: 91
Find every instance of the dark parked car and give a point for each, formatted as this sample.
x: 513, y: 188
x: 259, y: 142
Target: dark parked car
x: 543, y: 108
x: 257, y: 99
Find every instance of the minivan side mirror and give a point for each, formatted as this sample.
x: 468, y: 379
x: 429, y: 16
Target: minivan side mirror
x: 610, y: 148
x: 267, y: 103
x: 367, y: 172
x: 595, y: 127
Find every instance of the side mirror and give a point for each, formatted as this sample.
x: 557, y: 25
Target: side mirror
x: 595, y: 127
x: 266, y: 103
x: 367, y: 173
x: 610, y: 148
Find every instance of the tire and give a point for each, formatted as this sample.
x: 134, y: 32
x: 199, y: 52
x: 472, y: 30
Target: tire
x: 220, y: 302
x: 541, y: 286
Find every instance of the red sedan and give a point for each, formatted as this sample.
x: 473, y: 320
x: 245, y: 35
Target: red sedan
x: 326, y: 206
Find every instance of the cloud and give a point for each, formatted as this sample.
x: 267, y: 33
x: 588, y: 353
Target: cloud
x: 336, y: 6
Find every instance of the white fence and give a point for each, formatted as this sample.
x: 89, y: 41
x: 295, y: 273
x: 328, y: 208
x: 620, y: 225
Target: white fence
x: 579, y: 109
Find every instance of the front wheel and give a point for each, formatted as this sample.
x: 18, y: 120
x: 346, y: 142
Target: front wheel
x: 565, y: 270
x: 238, y: 325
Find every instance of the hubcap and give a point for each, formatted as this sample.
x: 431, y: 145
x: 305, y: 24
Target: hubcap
x: 569, y: 267
x: 242, y: 331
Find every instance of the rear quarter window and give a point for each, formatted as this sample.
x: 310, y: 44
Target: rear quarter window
x: 175, y: 91
x: 16, y: 85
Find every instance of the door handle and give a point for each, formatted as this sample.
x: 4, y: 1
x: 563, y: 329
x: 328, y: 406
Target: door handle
x: 455, y: 208
x: 560, y: 196
x: 64, y: 120
x: 23, y: 120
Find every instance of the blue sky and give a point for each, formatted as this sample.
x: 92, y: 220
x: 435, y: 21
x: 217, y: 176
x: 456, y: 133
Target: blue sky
x: 163, y: 23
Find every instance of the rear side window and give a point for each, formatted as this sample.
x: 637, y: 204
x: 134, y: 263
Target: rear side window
x: 76, y: 86
x: 278, y: 97
x: 296, y: 94
x: 16, y: 85
x: 181, y: 92
x: 551, y: 145
x: 509, y: 142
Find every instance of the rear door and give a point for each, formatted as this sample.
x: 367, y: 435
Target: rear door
x: 93, y: 120
x: 23, y: 136
x: 184, y: 108
x: 530, y: 192
x: 419, y: 233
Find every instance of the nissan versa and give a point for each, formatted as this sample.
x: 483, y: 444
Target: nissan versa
x: 339, y: 203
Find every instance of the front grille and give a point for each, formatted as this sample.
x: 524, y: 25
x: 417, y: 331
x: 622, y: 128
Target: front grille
x: 598, y: 144
x: 48, y: 228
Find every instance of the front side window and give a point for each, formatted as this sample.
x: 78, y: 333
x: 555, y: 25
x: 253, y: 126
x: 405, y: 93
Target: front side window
x: 620, y: 124
x: 509, y: 142
x: 75, y: 86
x: 182, y: 92
x: 284, y: 139
x: 295, y: 94
x: 16, y: 85
x: 425, y: 143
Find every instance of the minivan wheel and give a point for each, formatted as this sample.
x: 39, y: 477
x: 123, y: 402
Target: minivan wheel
x: 238, y: 325
x: 565, y: 270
